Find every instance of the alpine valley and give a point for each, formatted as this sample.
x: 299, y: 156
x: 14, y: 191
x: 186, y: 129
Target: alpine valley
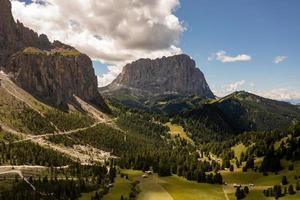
x: 157, y: 132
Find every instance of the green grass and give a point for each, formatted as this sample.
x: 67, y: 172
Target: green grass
x: 6, y: 184
x: 240, y: 177
x: 260, y: 180
x: 69, y: 120
x: 292, y: 197
x: 177, y: 130
x: 86, y: 196
x: 258, y: 195
x: 132, y: 174
x: 121, y: 187
x: 273, y: 179
x: 238, y: 149
x: 59, y: 51
x: 278, y: 143
x: 182, y: 189
x: 66, y: 52
x: 32, y: 51
x: 20, y: 116
x: 179, y: 188
x: 253, y: 195
x: 162, y: 103
x: 7, y: 137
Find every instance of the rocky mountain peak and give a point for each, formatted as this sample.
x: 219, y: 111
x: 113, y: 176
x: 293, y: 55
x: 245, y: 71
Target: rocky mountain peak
x: 168, y: 75
x: 54, y: 72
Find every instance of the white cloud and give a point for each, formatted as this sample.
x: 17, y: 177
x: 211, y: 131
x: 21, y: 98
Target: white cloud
x: 281, y: 94
x: 221, y: 56
x: 235, y: 86
x: 228, y: 88
x: 252, y: 84
x: 279, y: 59
x: 107, y: 78
x: 114, y: 32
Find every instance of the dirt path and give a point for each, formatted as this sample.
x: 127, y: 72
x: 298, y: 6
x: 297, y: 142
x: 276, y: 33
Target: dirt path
x: 20, y: 167
x: 225, y: 193
x: 96, y: 114
x: 85, y: 154
x: 152, y: 190
x: 99, y: 116
x: 32, y: 138
x: 31, y: 102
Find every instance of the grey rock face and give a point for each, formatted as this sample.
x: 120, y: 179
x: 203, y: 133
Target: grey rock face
x: 54, y: 77
x: 175, y: 75
x: 52, y: 71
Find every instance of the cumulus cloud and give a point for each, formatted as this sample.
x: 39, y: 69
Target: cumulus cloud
x: 114, y: 32
x: 235, y: 86
x: 109, y: 77
x: 281, y: 94
x: 224, y: 58
x: 279, y: 59
x: 228, y: 88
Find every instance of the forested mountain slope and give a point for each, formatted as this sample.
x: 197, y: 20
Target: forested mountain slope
x: 246, y: 111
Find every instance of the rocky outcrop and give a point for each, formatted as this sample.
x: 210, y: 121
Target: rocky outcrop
x: 54, y: 76
x: 52, y: 71
x: 168, y: 75
x: 15, y: 36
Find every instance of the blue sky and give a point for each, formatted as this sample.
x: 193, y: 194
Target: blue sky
x: 260, y: 29
x: 263, y: 29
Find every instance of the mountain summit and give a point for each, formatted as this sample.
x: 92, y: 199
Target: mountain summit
x: 53, y: 72
x: 168, y: 75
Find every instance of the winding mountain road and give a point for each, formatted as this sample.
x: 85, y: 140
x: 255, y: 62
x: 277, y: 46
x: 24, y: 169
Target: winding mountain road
x: 32, y: 138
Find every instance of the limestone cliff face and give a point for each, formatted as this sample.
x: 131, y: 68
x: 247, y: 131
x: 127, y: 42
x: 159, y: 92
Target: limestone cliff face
x: 14, y: 36
x: 174, y: 75
x: 53, y: 76
x: 52, y: 71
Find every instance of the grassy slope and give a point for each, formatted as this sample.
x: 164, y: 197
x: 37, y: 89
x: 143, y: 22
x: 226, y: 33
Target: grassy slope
x: 258, y: 195
x: 176, y: 130
x: 238, y: 149
x: 247, y: 111
x: 181, y: 189
x: 121, y: 187
x: 278, y: 143
x: 24, y: 118
x: 253, y: 195
x: 20, y: 116
x: 258, y: 179
x: 68, y: 120
x: 273, y: 179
